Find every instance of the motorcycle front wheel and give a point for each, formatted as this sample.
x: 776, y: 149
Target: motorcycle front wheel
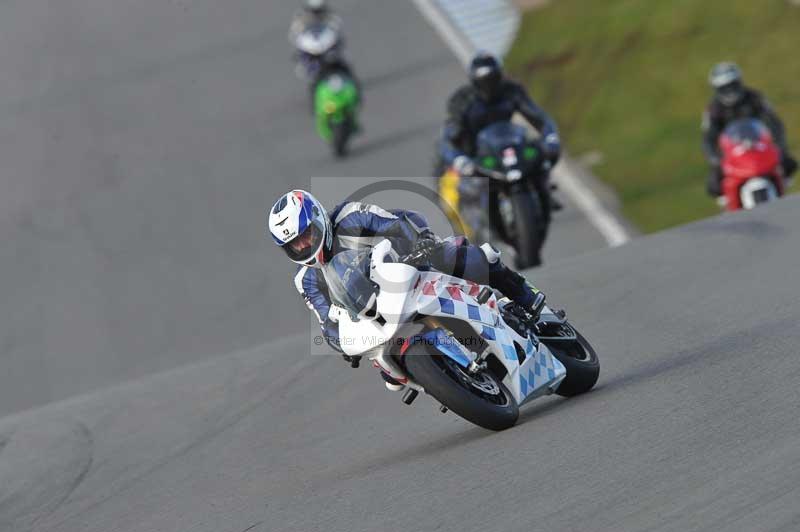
x: 581, y: 362
x: 528, y: 228
x: 480, y: 398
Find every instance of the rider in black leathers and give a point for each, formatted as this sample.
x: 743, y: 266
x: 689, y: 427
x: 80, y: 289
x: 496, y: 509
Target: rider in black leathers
x: 490, y: 98
x: 733, y: 100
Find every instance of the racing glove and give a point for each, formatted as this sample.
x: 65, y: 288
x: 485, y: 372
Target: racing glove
x: 330, y: 330
x: 425, y: 245
x: 464, y: 166
x: 552, y: 147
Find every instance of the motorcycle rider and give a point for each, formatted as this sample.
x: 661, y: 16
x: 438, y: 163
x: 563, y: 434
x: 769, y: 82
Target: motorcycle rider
x: 733, y: 100
x: 314, y: 13
x: 317, y: 12
x: 301, y: 226
x: 490, y: 97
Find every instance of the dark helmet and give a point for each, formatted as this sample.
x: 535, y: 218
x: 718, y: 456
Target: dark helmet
x: 317, y: 7
x: 486, y: 75
x: 726, y: 79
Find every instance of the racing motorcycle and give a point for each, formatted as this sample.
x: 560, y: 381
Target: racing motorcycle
x: 453, y: 339
x: 511, y: 208
x: 751, y: 165
x: 336, y: 101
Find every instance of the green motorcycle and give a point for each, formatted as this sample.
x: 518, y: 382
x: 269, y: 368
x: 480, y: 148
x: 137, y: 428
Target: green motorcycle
x: 336, y: 108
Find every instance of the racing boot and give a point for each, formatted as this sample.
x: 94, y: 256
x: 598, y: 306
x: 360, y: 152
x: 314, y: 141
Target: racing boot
x: 514, y: 286
x: 391, y: 383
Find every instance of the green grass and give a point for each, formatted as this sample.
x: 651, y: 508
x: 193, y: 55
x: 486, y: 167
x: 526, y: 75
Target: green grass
x: 628, y: 78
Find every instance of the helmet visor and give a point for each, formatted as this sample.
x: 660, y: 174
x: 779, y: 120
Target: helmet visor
x: 306, y: 244
x: 730, y: 93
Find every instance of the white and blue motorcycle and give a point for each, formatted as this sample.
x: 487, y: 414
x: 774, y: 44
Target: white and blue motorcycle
x: 454, y: 339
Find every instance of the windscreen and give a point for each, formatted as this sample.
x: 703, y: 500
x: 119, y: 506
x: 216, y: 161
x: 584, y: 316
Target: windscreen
x: 494, y: 138
x: 747, y: 130
x: 349, y: 285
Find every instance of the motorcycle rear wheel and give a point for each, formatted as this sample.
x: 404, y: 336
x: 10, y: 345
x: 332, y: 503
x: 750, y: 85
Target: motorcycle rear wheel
x: 481, y: 399
x: 341, y: 136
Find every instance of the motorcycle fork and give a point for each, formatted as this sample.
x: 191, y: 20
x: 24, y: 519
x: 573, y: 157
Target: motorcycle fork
x: 478, y: 362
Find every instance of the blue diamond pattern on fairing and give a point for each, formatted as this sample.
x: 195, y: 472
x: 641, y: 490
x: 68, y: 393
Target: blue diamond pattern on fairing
x: 509, y: 352
x: 523, y: 386
x: 447, y: 305
x: 542, y: 372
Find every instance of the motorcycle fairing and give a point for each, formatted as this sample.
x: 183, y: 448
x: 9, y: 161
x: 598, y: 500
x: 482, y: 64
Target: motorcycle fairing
x: 445, y: 344
x: 537, y: 374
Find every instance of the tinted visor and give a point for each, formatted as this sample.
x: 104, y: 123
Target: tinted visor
x: 306, y: 244
x: 730, y: 93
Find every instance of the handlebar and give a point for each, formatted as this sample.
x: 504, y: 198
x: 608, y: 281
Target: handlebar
x: 509, y: 176
x: 481, y: 171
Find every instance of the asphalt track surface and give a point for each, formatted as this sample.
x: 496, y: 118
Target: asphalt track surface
x: 141, y: 141
x: 693, y: 424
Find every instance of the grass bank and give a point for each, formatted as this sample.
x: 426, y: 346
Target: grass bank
x: 628, y: 78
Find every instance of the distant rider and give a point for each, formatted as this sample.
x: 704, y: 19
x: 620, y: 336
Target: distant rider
x: 332, y: 61
x: 300, y: 225
x: 732, y: 101
x: 315, y: 13
x: 490, y: 97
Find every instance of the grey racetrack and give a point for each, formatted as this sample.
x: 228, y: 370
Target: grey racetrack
x: 141, y: 142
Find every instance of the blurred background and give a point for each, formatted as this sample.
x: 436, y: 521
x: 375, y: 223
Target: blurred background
x: 627, y: 81
x: 141, y: 142
x: 145, y: 310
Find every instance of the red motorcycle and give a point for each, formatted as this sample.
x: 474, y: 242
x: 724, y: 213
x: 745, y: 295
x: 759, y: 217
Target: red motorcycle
x: 751, y: 165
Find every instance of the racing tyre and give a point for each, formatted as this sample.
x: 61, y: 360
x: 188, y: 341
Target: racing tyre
x: 480, y: 399
x: 341, y: 134
x: 528, y: 223
x: 583, y: 367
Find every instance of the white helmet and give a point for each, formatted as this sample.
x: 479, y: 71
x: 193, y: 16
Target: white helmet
x: 299, y: 224
x: 723, y: 74
x: 316, y: 6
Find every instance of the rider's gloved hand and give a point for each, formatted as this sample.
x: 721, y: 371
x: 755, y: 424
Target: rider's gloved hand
x: 464, y: 166
x: 552, y: 148
x: 425, y: 245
